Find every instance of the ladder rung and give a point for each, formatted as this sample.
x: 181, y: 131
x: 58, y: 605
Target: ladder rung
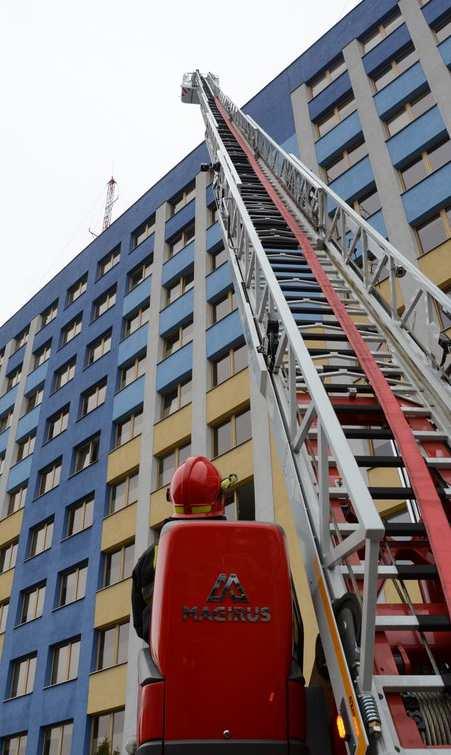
x: 433, y: 435
x: 404, y: 683
x: 439, y: 462
x: 399, y: 622
x: 378, y: 493
x: 400, y: 571
x: 404, y: 529
x: 415, y: 411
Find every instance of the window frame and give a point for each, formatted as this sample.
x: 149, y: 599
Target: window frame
x: 99, y: 391
x: 21, y: 489
x: 41, y: 355
x: 48, y: 730
x: 39, y: 591
x: 186, y: 283
x: 228, y: 297
x: 382, y: 29
x: 100, y: 646
x: 77, y: 569
x: 232, y: 419
x: 108, y: 297
x: 161, y: 457
x: 8, y: 555
x: 182, y: 237
x: 48, y: 526
x: 73, y: 292
x: 141, y: 314
x: 107, y: 565
x: 179, y: 400
x: 108, y: 261
x: 112, y: 487
x: 335, y: 112
x: 145, y: 229
x: 20, y: 745
x: 424, y: 159
x: 327, y: 76
x: 15, y: 675
x: 446, y: 225
x: 49, y: 314
x: 396, y: 66
x: 145, y: 266
x: 408, y: 110
x: 35, y: 393
x: 92, y: 445
x: 54, y: 657
x: 177, y: 337
x: 130, y: 417
x: 230, y: 356
x: 101, y: 340
x: 183, y: 197
x: 111, y: 730
x: 25, y: 446
x: 68, y: 367
x: 87, y: 504
x: 54, y: 468
x: 58, y: 416
x: 4, y: 611
x: 71, y: 330
x: 134, y: 363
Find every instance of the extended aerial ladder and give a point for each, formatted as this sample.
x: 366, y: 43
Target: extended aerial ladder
x: 348, y: 345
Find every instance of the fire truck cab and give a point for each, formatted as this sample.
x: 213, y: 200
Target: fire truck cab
x: 223, y: 672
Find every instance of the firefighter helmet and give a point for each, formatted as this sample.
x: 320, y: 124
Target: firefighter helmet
x: 196, y: 489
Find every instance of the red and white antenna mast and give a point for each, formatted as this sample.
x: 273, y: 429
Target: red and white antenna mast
x: 110, y: 200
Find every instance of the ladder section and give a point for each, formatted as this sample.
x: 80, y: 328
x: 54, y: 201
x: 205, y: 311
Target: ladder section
x: 348, y: 413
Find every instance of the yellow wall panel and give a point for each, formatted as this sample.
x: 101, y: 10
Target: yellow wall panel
x: 170, y: 431
x: 230, y: 395
x: 10, y: 527
x: 119, y: 527
x: 113, y: 603
x: 160, y: 509
x: 124, y: 459
x: 6, y: 584
x: 436, y: 265
x: 384, y: 290
x: 283, y: 516
x: 107, y: 689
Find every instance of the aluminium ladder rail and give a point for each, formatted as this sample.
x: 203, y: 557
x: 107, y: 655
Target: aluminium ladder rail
x: 341, y: 367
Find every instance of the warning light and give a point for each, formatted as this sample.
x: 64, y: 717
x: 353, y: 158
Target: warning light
x: 341, y: 728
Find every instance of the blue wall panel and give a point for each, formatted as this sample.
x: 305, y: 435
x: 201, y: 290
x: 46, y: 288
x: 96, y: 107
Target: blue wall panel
x: 132, y: 344
x: 338, y: 138
x: 434, y: 9
x: 177, y: 313
x: 224, y: 335
x: 445, y: 51
x: 219, y: 281
x: 431, y: 193
x: 176, y: 367
x: 419, y: 135
x: 178, y: 265
x: 180, y: 219
x: 19, y: 473
x: 214, y: 236
x: 329, y: 96
x: 128, y: 398
x: 8, y: 399
x: 28, y: 422
x: 378, y: 223
x: 15, y: 360
x: 354, y: 181
x: 3, y: 440
x: 401, y: 90
x: 386, y: 49
x: 136, y: 296
x: 210, y: 195
x: 36, y: 377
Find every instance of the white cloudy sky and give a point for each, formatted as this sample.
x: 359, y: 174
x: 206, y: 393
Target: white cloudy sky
x: 92, y: 86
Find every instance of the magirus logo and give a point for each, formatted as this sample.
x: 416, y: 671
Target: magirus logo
x: 227, y: 587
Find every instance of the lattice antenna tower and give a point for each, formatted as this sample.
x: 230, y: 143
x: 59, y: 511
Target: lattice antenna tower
x: 110, y: 200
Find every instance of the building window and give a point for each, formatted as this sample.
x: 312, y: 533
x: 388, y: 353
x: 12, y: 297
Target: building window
x: 139, y: 317
x: 168, y: 463
x: 104, y: 303
x: 139, y: 273
x: 49, y: 477
x: 72, y: 585
x: 112, y: 646
x: 21, y: 339
x: 131, y: 371
x: 394, y: 68
x: 58, y: 423
x: 183, y: 197
x: 346, y: 159
x: 13, y: 378
x: 218, y: 259
x: 17, y: 499
x: 34, y: 399
x: 181, y: 239
x: 86, y: 453
x: 93, y: 397
x: 327, y: 76
x: 22, y: 676
x: 234, y: 361
x: 179, y: 287
x: 429, y: 161
x: 212, y: 214
x: 368, y: 204
x: 77, y: 289
x: 4, y: 607
x: 177, y: 398
x: 42, y: 354
x: 144, y: 231
x: 337, y: 114
x: 123, y: 493
x: 443, y: 29
x: 49, y: 314
x: 99, y: 347
x: 182, y: 336
x: 80, y: 515
x: 5, y: 420
x: 40, y: 538
x: 409, y: 112
x: 435, y: 231
x: 65, y: 373
x: 235, y: 430
x: 15, y: 745
x: 381, y: 30
x: 106, y: 732
x: 223, y: 306
x: 65, y: 661
x: 2, y: 461
x: 244, y: 501
x: 128, y: 428
x: 8, y: 555
x: 72, y: 329
x: 108, y: 262
x: 25, y: 446
x: 32, y: 603
x: 57, y: 739
x: 119, y: 564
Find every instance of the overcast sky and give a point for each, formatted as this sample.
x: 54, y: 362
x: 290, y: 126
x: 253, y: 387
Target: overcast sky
x: 91, y: 87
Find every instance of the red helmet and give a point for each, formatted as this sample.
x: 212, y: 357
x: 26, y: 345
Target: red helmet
x: 195, y: 489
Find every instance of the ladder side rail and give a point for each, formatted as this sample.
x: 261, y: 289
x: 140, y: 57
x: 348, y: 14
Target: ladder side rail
x: 258, y: 275
x: 326, y: 210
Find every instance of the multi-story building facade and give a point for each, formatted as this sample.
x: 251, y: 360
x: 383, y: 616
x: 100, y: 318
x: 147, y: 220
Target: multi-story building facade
x: 133, y: 357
